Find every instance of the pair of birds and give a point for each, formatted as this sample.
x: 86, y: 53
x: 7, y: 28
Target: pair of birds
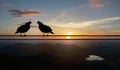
x: 43, y: 28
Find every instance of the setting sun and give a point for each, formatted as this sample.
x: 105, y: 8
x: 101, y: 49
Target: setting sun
x: 68, y: 35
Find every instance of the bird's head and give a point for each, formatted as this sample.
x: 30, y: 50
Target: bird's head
x: 39, y: 23
x: 28, y: 23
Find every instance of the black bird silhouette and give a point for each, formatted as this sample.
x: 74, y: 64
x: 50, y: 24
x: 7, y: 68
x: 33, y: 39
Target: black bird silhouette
x: 23, y: 28
x: 44, y: 28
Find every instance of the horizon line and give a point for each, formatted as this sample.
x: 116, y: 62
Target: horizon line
x: 59, y: 39
x: 62, y: 35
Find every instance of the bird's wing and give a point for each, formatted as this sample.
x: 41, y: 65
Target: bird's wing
x: 48, y: 28
x: 20, y: 28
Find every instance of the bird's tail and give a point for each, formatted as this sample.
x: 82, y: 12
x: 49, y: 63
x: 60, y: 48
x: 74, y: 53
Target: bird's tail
x: 16, y: 32
x: 52, y: 33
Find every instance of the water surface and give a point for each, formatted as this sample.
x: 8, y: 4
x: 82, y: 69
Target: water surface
x: 60, y: 54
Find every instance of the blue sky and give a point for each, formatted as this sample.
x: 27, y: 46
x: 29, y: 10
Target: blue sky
x: 64, y: 16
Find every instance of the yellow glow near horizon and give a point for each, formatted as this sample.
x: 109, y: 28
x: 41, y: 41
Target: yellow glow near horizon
x: 68, y: 35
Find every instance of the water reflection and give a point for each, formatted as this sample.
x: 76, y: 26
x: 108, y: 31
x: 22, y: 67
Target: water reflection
x: 60, y: 47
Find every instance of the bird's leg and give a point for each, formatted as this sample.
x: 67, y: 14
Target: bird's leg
x: 24, y: 35
x: 47, y: 34
x: 43, y: 34
x: 20, y: 34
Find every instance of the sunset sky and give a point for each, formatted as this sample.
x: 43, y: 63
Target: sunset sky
x: 77, y: 17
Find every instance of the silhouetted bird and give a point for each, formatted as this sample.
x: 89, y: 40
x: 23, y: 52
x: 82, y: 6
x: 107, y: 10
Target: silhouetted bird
x: 44, y: 28
x: 23, y: 28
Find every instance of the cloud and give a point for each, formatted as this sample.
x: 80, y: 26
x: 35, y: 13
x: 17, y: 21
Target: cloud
x: 5, y: 5
x: 88, y: 23
x: 96, y: 3
x: 65, y: 12
x: 19, y: 13
x: 92, y: 4
x: 94, y: 58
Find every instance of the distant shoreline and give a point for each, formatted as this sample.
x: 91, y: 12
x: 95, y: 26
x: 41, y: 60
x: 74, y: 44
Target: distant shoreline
x: 64, y: 35
x: 60, y: 37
